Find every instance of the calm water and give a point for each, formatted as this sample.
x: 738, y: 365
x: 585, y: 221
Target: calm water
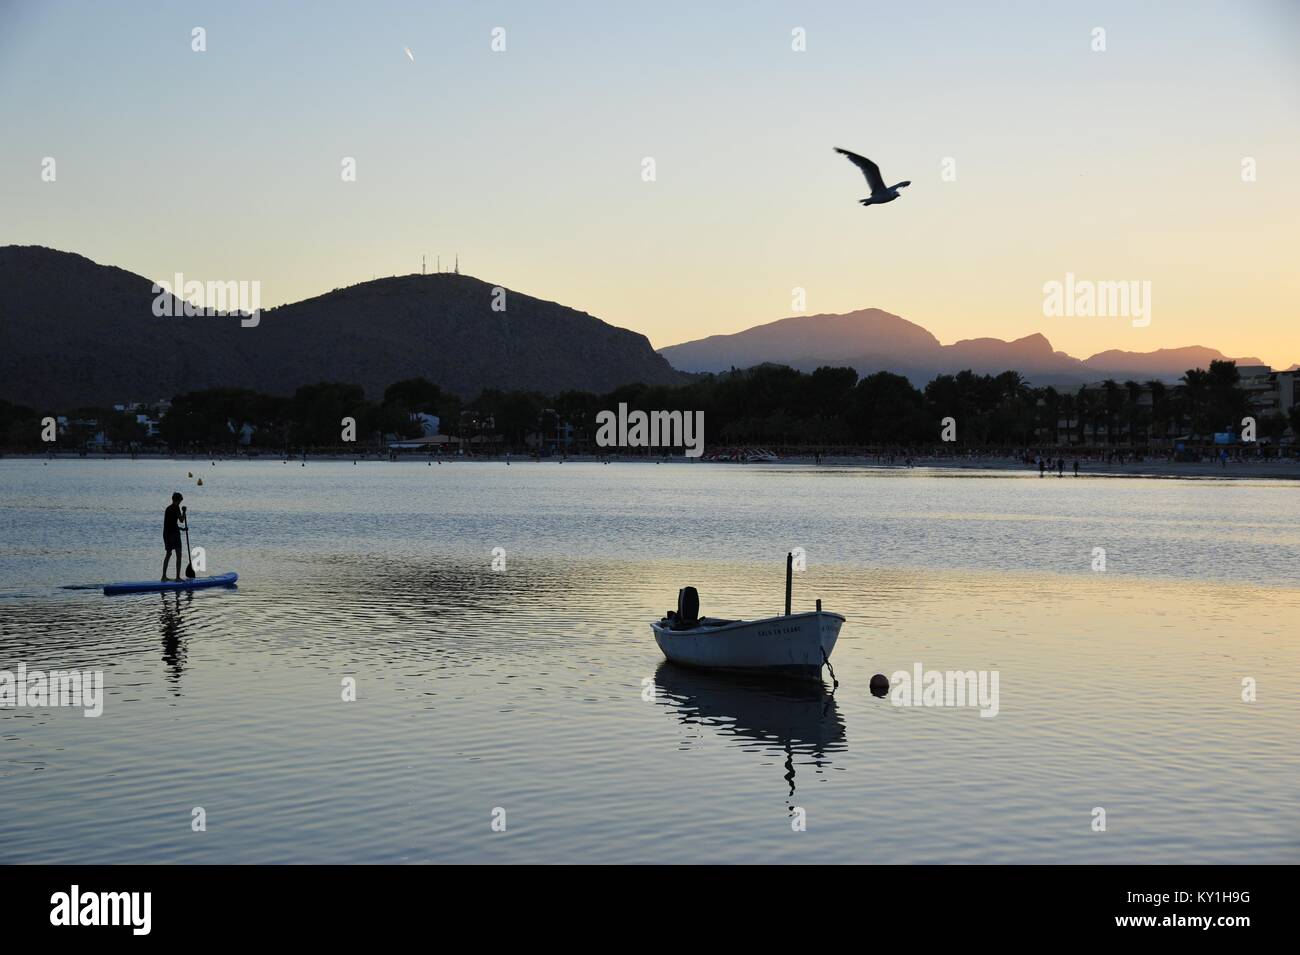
x: 523, y: 689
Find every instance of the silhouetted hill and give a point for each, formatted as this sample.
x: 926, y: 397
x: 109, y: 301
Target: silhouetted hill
x: 1162, y: 362
x: 869, y: 332
x: 74, y: 332
x: 872, y: 340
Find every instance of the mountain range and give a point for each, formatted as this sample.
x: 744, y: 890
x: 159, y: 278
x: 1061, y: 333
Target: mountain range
x: 873, y: 340
x: 75, y: 333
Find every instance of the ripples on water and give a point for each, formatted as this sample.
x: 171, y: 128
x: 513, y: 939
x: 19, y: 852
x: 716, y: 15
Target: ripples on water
x: 527, y: 689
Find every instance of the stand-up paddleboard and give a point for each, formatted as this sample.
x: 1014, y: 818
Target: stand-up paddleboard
x: 143, y: 586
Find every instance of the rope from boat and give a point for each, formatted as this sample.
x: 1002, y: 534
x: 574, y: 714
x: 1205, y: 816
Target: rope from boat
x: 835, y: 684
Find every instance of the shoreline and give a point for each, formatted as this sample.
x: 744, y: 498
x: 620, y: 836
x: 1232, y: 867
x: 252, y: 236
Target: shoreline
x: 1284, y: 469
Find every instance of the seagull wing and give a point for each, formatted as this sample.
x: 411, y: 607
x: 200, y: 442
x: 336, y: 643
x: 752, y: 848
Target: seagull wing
x: 869, y: 169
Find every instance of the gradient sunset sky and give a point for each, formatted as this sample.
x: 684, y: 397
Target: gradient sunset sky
x: 1117, y: 165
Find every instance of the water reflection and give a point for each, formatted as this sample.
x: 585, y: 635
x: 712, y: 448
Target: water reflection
x: 440, y: 584
x: 171, y: 620
x: 786, y: 717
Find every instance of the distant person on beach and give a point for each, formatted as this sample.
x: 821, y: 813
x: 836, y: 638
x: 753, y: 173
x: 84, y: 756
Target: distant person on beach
x: 1076, y: 467
x: 173, y: 523
x: 1060, y: 467
x: 1042, y: 466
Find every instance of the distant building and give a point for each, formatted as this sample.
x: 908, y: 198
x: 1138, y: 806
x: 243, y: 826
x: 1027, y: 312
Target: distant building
x: 1284, y: 384
x: 1260, y: 387
x: 1283, y: 399
x: 430, y: 442
x: 1091, y: 425
x: 150, y: 425
x: 1272, y: 395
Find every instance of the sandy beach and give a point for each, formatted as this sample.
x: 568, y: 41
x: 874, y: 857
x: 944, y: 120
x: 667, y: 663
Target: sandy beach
x: 1285, y: 468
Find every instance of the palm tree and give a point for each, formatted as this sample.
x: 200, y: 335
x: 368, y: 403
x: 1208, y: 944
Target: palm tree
x: 1159, y: 408
x: 1068, y: 405
x: 1052, y: 409
x: 1196, y: 392
x: 1114, y: 402
x: 1134, y: 409
x: 1228, y: 401
x: 1089, y: 410
x: 1010, y: 384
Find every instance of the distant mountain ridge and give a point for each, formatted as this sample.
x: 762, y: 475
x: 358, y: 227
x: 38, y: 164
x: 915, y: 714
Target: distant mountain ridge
x: 73, y: 332
x: 871, y: 340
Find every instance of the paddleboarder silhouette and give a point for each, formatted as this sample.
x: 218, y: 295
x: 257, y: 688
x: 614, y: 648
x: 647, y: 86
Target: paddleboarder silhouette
x: 173, y: 521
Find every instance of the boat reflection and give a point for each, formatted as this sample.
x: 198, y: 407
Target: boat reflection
x: 793, y: 718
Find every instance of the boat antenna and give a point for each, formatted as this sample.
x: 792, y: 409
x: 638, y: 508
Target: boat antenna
x: 789, y: 579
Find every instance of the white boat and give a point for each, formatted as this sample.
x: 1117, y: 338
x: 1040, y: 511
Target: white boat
x: 798, y: 644
x: 794, y: 644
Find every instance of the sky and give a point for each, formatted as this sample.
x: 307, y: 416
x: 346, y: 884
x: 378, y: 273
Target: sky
x: 1032, y: 154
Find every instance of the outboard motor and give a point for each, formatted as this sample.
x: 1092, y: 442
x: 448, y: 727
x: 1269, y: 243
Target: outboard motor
x: 688, y: 607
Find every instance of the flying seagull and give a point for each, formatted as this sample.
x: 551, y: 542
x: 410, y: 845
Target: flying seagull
x: 409, y: 55
x: 879, y: 192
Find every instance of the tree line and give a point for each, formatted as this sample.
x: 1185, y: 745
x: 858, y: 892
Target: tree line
x: 768, y: 405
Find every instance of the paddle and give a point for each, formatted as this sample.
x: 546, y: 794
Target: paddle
x: 189, y: 566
